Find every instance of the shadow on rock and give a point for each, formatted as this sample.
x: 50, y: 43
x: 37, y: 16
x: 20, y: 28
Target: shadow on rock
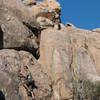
x: 2, y: 96
x: 1, y: 38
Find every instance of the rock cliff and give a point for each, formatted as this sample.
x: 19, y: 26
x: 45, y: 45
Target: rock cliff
x: 63, y: 60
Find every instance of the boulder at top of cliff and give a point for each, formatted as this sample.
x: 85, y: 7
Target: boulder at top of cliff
x: 48, y: 10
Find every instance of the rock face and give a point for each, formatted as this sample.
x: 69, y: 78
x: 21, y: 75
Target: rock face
x: 10, y: 62
x: 69, y: 54
x: 18, y: 27
x: 55, y: 58
x: 84, y: 69
x: 47, y: 13
x: 8, y: 86
x: 42, y: 81
x: 63, y: 60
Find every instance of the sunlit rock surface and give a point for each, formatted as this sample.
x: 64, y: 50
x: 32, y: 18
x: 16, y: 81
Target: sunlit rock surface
x: 63, y: 60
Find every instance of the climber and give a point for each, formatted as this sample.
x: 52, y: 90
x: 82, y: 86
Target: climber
x: 27, y: 81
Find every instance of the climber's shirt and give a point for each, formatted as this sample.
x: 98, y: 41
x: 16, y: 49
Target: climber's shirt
x: 29, y: 81
x: 29, y: 75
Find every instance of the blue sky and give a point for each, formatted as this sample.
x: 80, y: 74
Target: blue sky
x: 81, y: 13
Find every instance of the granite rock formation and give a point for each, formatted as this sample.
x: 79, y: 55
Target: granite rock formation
x: 63, y: 60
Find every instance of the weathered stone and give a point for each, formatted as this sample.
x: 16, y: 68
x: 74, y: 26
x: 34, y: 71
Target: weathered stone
x: 49, y: 10
x: 85, y: 66
x: 42, y: 81
x: 55, y: 60
x: 8, y: 86
x: 44, y: 22
x: 29, y: 2
x: 10, y: 62
x: 15, y: 9
x: 69, y: 66
x: 18, y: 27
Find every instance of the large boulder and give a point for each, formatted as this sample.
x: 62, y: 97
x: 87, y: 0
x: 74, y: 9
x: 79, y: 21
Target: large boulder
x: 18, y: 28
x: 11, y: 62
x: 48, y: 12
x: 16, y: 8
